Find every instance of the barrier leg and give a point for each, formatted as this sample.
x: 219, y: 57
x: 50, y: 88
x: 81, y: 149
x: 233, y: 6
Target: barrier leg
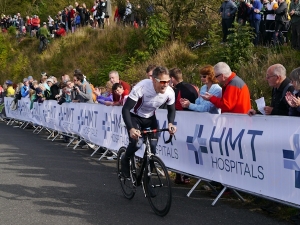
x: 42, y: 128
x: 36, y: 129
x: 26, y: 125
x: 238, y: 195
x: 193, y: 188
x: 71, y: 141
x: 21, y: 126
x: 219, y: 196
x: 212, y: 187
x: 77, y: 144
x: 51, y: 134
x: 9, y: 121
x: 96, y: 150
x: 58, y: 133
x: 104, y: 154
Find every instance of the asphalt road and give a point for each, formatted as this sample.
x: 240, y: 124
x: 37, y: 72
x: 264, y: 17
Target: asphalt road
x: 44, y: 182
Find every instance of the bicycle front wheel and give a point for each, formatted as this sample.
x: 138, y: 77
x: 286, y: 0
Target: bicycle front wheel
x: 127, y: 185
x: 158, y: 186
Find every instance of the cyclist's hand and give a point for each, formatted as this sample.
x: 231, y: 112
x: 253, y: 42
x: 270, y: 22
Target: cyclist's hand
x: 172, y: 129
x: 134, y: 133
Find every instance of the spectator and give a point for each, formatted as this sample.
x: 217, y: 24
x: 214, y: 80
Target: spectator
x: 10, y: 92
x: 276, y: 77
x: 227, y: 11
x: 25, y: 88
x: 185, y: 91
x: 294, y: 99
x: 104, y: 97
x: 182, y: 89
x: 114, y: 78
x: 61, y: 31
x: 119, y: 90
x: 82, y: 88
x: 294, y: 12
x: 269, y: 20
x: 66, y: 95
x: 54, y: 89
x: 235, y: 93
x: 242, y: 14
x: 149, y: 71
x: 255, y: 18
x: 50, y: 24
x: 280, y: 19
x: 211, y: 86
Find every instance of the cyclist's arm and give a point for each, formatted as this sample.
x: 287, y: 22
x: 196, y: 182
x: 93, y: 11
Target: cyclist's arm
x: 171, y: 113
x: 171, y: 117
x: 129, y: 104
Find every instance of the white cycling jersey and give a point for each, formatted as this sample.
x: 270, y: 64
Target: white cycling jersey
x: 147, y: 100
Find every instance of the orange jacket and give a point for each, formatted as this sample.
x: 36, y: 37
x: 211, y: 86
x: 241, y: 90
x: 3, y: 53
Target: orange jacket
x: 235, y: 96
x: 35, y: 22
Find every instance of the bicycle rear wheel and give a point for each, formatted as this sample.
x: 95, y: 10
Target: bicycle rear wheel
x: 127, y: 185
x: 158, y: 187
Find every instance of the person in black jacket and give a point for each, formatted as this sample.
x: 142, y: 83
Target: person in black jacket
x: 280, y: 19
x: 182, y: 91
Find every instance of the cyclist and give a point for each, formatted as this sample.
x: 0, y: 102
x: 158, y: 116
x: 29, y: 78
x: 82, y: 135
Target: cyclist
x: 139, y: 111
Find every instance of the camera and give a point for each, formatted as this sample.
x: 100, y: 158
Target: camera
x: 74, y: 88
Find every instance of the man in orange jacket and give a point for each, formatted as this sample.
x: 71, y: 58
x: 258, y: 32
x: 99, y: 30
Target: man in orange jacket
x: 235, y: 93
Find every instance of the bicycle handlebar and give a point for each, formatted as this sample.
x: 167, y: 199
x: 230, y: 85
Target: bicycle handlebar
x: 148, y: 131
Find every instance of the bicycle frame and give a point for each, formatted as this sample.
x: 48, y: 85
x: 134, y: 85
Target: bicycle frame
x: 146, y: 157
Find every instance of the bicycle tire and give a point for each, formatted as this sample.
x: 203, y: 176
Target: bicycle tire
x: 127, y: 186
x: 158, y: 187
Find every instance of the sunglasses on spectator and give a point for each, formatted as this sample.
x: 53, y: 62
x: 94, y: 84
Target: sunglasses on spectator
x: 203, y: 76
x: 162, y: 81
x: 219, y: 75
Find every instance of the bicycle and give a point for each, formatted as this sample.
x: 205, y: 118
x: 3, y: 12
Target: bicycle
x: 151, y: 173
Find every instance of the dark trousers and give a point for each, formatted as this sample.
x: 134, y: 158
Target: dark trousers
x: 296, y: 35
x: 226, y: 25
x: 255, y: 25
x: 141, y: 124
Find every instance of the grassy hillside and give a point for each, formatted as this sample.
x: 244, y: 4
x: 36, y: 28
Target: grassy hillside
x: 96, y: 52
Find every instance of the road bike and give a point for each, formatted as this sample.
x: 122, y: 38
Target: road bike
x: 150, y: 172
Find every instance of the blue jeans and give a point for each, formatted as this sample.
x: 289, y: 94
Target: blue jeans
x: 255, y: 24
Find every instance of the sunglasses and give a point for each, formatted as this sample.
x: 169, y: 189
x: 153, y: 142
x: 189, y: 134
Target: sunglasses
x: 162, y: 81
x: 203, y: 76
x: 218, y: 75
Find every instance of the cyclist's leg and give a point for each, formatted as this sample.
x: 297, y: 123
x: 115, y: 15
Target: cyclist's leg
x: 131, y: 148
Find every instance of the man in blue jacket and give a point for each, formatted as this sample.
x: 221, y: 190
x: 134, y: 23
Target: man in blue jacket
x: 255, y: 18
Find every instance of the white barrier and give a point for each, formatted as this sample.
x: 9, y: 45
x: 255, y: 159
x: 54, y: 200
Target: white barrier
x: 255, y: 154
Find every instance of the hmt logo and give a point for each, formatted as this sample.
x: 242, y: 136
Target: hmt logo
x: 225, y: 140
x: 201, y: 141
x: 289, y: 159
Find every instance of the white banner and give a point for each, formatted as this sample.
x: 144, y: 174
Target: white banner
x: 257, y: 154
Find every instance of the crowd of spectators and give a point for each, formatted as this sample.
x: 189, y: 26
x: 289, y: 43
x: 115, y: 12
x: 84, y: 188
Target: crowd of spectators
x: 270, y: 20
x: 71, y: 18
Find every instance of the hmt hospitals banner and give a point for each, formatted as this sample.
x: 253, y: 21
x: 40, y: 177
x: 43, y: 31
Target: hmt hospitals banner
x: 257, y: 154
